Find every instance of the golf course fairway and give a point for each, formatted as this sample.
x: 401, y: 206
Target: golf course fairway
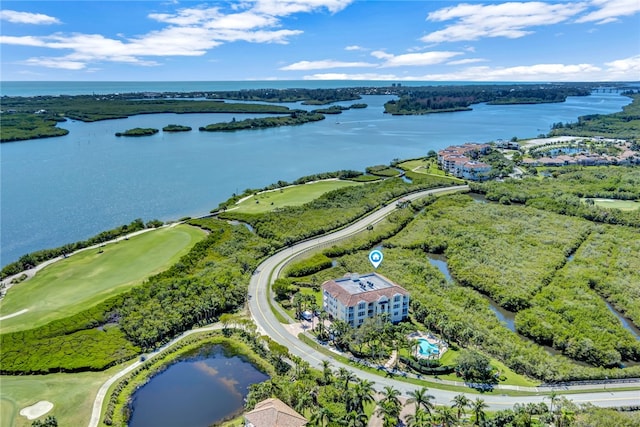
x: 91, y: 276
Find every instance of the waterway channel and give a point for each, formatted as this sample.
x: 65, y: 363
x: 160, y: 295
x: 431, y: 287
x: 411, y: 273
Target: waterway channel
x: 198, y: 390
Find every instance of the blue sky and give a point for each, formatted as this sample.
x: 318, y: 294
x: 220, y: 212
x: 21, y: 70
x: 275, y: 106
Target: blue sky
x: 589, y: 40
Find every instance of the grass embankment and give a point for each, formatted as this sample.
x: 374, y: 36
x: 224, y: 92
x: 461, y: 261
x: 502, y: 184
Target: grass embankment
x: 92, y: 276
x: 295, y: 195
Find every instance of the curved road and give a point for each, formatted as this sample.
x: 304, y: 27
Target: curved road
x: 259, y: 305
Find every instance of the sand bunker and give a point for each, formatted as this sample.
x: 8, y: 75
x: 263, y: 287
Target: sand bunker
x: 37, y: 410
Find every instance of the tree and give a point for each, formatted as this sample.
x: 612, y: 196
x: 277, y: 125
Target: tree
x: 477, y: 407
x: 320, y: 417
x: 361, y: 394
x: 446, y: 416
x: 474, y: 366
x: 327, y: 373
x: 346, y: 376
x: 421, y: 399
x: 50, y: 421
x: 340, y: 331
x: 460, y: 402
x: 354, y: 419
x: 420, y: 419
x: 389, y: 406
x: 553, y: 399
x: 281, y: 287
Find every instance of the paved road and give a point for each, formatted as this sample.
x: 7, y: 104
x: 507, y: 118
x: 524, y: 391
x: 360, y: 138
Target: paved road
x: 268, y: 324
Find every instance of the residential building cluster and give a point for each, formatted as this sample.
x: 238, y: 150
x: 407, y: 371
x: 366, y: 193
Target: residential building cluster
x: 355, y: 298
x: 585, y: 158
x: 459, y: 160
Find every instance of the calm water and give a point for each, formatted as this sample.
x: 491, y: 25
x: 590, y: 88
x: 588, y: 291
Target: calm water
x: 195, y: 392
x: 59, y: 190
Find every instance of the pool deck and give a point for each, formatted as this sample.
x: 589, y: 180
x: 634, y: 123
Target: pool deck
x: 442, y: 346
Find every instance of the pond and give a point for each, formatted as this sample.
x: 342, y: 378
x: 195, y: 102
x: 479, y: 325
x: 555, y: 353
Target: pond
x: 201, y: 388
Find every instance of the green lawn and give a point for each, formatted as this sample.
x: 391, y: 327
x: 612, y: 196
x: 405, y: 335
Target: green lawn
x: 290, y: 196
x: 89, y: 277
x: 72, y: 396
x: 623, y: 205
x: 425, y: 167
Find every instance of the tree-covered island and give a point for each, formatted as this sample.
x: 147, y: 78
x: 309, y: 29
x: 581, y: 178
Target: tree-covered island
x: 24, y: 118
x: 138, y: 132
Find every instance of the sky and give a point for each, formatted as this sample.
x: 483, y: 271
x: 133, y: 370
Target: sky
x: 421, y: 40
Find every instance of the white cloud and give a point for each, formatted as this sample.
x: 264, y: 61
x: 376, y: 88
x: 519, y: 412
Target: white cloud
x: 325, y: 64
x: 619, y: 70
x: 354, y: 47
x: 467, y: 61
x: 191, y: 31
x: 413, y: 59
x: 341, y: 76
x: 610, y: 10
x: 510, y: 20
x: 624, y: 69
x: 288, y: 7
x: 56, y: 63
x: 16, y: 17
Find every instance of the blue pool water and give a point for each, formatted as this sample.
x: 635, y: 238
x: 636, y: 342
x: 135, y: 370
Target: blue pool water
x: 427, y: 349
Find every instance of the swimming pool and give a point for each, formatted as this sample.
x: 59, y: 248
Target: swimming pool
x: 426, y: 348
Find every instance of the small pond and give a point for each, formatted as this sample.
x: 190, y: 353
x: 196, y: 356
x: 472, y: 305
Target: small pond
x: 198, y: 390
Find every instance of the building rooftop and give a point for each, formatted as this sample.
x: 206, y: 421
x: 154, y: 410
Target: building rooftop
x: 367, y: 287
x: 274, y: 413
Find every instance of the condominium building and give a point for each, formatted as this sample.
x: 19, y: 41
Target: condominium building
x: 356, y: 297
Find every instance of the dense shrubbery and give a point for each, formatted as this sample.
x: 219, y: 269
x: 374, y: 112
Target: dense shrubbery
x: 176, y: 128
x: 21, y: 126
x: 309, y: 266
x: 138, y: 132
x: 210, y: 280
x: 562, y: 193
x: 508, y: 253
x: 434, y: 99
x: 31, y: 260
x: 296, y: 118
x: 88, y: 108
x: 76, y: 343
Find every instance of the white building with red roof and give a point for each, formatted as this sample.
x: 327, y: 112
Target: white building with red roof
x: 355, y: 298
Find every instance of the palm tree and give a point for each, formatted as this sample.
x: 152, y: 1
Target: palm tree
x: 327, y: 373
x: 362, y: 394
x: 389, y: 413
x: 460, y: 402
x: 446, y: 416
x: 389, y: 406
x: 421, y: 399
x: 346, y: 376
x: 553, y: 399
x: 354, y: 419
x: 320, y: 417
x: 421, y: 418
x: 477, y: 407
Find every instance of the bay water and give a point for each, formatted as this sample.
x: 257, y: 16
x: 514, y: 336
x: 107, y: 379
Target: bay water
x: 60, y: 190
